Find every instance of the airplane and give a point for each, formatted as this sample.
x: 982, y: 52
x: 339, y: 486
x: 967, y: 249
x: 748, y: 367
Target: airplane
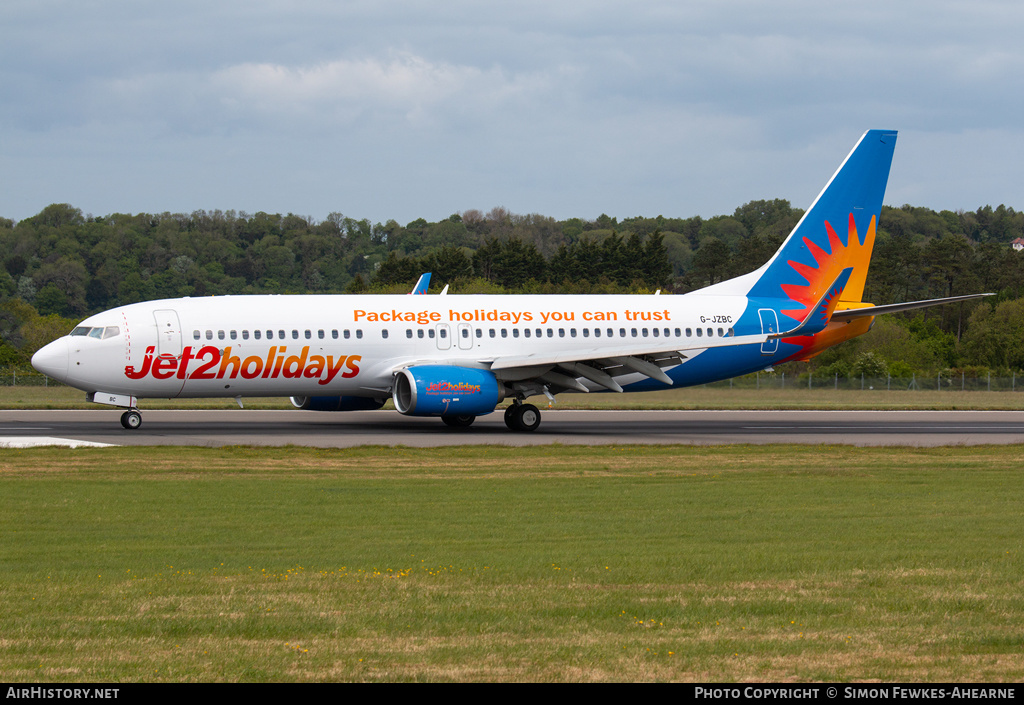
x: 459, y: 356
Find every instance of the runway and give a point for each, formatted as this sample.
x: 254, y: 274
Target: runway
x: 347, y: 429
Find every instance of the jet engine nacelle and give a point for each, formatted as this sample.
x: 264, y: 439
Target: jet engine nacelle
x: 337, y: 403
x: 445, y: 390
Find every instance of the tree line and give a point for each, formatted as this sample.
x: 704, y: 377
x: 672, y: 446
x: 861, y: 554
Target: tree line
x: 61, y: 265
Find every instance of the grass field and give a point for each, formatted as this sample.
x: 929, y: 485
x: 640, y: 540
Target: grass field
x: 718, y: 397
x: 776, y: 563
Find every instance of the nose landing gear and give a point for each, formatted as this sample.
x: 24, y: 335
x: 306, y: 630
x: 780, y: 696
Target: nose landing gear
x: 131, y: 419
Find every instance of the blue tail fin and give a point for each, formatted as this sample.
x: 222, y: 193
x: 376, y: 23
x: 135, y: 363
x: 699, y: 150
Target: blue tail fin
x: 837, y: 232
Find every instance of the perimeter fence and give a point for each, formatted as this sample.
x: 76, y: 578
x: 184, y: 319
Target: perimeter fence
x: 919, y: 383
x: 20, y: 377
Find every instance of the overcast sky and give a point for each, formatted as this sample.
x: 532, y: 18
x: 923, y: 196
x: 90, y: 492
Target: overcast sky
x: 566, y: 108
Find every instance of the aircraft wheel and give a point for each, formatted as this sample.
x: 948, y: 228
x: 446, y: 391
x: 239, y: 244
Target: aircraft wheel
x: 522, y: 417
x: 528, y: 417
x: 131, y: 419
x: 458, y: 420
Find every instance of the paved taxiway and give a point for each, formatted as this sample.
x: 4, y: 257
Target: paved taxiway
x: 327, y: 430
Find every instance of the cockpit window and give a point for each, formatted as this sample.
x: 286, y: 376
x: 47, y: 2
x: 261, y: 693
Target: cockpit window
x: 100, y: 333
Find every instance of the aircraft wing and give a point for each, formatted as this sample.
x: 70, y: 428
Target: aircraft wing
x: 602, y: 364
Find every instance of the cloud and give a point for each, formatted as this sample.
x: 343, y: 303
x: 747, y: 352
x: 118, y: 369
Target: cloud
x: 402, y: 87
x: 404, y: 108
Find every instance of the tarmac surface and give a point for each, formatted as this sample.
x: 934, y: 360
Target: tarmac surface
x: 20, y: 428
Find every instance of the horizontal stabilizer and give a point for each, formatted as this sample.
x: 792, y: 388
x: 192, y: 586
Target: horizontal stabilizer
x: 895, y: 308
x: 820, y: 314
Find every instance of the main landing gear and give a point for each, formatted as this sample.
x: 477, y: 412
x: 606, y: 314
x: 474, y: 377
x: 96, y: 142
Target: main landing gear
x: 522, y: 417
x: 131, y: 419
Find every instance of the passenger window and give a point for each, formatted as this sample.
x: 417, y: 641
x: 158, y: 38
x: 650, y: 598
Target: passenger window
x: 320, y: 334
x: 220, y: 335
x: 551, y: 333
x: 561, y: 332
x: 622, y: 332
x: 633, y: 331
x: 384, y: 333
x: 700, y: 333
x: 209, y: 335
x: 492, y: 332
x: 430, y: 333
x: 710, y: 332
x: 256, y: 334
x: 730, y: 332
x: 572, y: 332
x: 281, y: 335
x: 348, y: 334
x: 678, y: 333
x: 245, y: 335
x: 586, y: 332
x: 655, y: 331
x: 408, y: 332
x: 479, y: 333
x: 234, y: 335
x: 309, y: 334
x: 195, y: 335
x: 295, y: 334
x: 689, y: 333
x: 527, y: 332
x: 419, y: 332
x: 270, y: 335
x: 359, y: 333
x: 504, y: 332
x: 515, y: 333
x: 465, y: 332
x: 334, y: 333
x: 443, y: 332
x: 720, y: 335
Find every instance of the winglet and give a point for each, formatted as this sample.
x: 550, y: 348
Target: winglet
x: 421, y: 285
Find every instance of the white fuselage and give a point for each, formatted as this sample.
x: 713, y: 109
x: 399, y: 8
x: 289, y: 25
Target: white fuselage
x: 353, y: 345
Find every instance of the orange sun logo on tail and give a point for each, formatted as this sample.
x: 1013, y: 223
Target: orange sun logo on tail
x: 828, y: 266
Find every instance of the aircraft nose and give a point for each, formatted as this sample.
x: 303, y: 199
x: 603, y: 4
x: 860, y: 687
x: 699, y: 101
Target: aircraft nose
x: 52, y: 359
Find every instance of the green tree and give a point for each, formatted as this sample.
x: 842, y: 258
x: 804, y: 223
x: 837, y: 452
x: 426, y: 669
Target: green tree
x: 656, y: 265
x: 516, y: 263
x: 711, y: 262
x: 993, y: 337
